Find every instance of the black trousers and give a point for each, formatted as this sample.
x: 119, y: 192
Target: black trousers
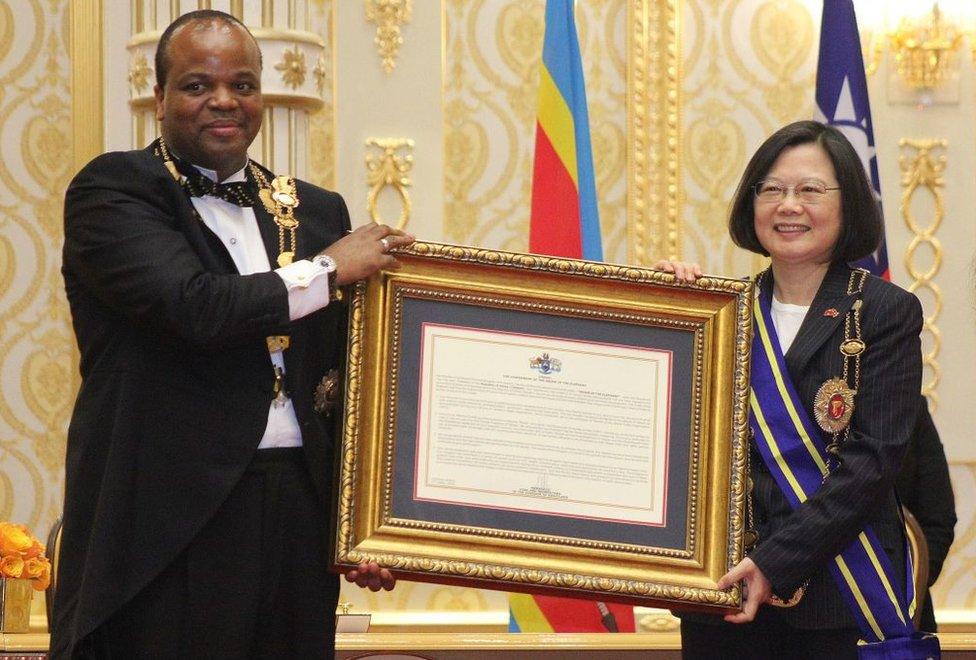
x: 767, y: 636
x: 253, y: 584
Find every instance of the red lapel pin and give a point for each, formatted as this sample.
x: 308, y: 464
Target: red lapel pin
x: 831, y: 312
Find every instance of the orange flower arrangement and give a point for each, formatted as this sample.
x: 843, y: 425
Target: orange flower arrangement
x: 22, y: 556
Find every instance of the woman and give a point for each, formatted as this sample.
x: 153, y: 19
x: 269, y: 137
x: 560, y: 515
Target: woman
x: 805, y: 202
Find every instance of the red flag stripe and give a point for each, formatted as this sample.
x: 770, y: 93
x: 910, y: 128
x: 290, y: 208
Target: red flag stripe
x: 573, y: 615
x: 555, y: 226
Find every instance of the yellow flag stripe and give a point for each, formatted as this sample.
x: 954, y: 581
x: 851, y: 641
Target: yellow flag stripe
x: 556, y: 120
x: 528, y: 615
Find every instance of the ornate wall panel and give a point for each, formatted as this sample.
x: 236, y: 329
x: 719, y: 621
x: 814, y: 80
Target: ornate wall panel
x: 321, y: 123
x: 38, y: 365
x: 492, y: 53
x: 748, y: 68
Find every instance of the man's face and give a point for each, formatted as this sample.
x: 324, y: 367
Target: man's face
x: 210, y: 107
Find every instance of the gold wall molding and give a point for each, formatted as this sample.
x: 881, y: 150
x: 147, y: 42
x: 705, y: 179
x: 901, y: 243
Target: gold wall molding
x: 922, y: 169
x: 86, y: 79
x: 653, y: 122
x: 388, y: 166
x: 389, y: 17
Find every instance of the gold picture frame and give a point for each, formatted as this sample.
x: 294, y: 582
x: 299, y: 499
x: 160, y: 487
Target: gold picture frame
x: 704, y: 329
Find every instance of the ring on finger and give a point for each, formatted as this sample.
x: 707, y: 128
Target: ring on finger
x: 385, y: 243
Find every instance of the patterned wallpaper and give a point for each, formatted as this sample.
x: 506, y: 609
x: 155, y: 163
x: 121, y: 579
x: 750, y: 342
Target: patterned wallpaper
x: 748, y: 68
x: 38, y: 364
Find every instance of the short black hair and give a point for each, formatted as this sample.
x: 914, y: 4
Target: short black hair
x: 861, y: 222
x: 200, y: 15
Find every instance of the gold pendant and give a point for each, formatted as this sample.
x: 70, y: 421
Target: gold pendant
x: 277, y: 343
x: 285, y: 258
x: 852, y: 347
x: 833, y: 405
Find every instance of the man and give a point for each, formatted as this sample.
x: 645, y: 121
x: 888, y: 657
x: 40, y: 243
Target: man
x: 200, y: 451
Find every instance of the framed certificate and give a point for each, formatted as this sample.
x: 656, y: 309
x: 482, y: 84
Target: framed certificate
x: 539, y: 424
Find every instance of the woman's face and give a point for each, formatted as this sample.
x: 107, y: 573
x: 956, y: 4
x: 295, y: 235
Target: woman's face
x: 794, y: 231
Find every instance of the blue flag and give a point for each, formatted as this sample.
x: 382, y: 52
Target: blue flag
x: 842, y: 100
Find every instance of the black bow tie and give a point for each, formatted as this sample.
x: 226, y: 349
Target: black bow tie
x: 196, y: 184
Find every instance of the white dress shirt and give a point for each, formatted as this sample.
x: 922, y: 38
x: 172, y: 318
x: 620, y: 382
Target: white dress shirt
x: 307, y: 283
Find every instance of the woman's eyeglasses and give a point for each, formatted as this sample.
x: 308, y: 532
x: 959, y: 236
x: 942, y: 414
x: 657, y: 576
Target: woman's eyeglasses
x: 808, y: 192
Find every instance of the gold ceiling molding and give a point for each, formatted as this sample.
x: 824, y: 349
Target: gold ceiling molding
x: 921, y: 169
x: 389, y: 16
x: 654, y: 191
x: 388, y: 167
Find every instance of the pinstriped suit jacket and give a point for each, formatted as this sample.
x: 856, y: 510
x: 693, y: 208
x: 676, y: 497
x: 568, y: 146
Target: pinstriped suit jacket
x: 798, y: 544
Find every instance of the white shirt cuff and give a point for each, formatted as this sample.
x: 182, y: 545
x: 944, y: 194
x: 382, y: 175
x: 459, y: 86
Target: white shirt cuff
x: 308, y: 287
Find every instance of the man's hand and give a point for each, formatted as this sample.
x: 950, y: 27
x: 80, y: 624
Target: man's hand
x: 755, y: 591
x: 684, y: 271
x: 362, y: 252
x: 371, y: 576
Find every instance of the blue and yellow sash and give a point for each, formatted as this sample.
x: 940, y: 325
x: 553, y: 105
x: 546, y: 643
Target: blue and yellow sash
x: 793, y: 449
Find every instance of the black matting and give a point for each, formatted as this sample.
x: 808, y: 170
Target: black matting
x: 417, y: 311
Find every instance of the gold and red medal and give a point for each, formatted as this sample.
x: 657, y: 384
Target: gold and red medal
x: 833, y: 405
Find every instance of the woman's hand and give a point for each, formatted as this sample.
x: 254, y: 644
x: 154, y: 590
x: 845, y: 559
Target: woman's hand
x: 371, y: 576
x: 684, y: 271
x: 755, y: 591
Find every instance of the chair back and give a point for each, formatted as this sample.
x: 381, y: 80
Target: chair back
x: 919, y: 548
x: 53, y: 552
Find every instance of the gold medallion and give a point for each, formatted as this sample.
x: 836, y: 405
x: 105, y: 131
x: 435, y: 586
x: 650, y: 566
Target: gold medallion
x: 285, y: 258
x: 278, y: 343
x: 833, y: 405
x: 326, y: 396
x: 852, y: 347
x: 283, y: 198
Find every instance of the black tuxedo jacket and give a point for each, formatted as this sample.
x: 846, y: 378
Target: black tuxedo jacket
x: 798, y: 544
x: 176, y: 378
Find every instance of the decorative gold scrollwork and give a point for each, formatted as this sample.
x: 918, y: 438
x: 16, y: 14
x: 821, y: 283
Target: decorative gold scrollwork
x: 140, y: 72
x: 923, y: 170
x: 321, y: 73
x: 389, y: 16
x: 389, y: 167
x: 292, y: 67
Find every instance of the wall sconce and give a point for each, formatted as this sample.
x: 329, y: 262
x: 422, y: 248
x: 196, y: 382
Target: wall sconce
x: 924, y: 46
x: 925, y: 50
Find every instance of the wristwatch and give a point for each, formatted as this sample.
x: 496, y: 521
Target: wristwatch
x: 329, y: 264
